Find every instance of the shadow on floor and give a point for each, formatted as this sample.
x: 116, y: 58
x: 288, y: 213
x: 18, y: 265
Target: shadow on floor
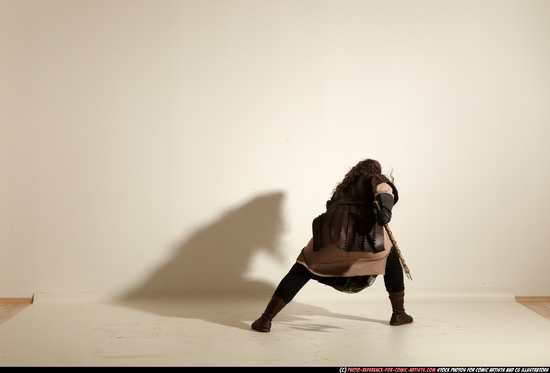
x: 239, y: 309
x: 211, y: 264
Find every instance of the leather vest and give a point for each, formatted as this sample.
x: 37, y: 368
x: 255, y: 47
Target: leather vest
x: 349, y: 221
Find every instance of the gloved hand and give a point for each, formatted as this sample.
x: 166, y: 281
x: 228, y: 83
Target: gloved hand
x: 383, y: 206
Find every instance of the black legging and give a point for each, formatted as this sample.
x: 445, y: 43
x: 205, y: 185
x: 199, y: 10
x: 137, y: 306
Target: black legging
x: 299, y: 275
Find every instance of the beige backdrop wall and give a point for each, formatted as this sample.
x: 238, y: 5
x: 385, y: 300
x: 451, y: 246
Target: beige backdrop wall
x: 169, y: 145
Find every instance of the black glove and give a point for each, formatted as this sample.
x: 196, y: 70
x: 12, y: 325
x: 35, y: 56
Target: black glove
x: 383, y: 205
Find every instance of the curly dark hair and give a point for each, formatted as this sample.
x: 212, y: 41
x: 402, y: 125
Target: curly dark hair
x: 367, y: 167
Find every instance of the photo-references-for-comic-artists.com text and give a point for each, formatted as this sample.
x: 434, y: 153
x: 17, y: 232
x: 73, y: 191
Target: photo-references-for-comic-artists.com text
x: 445, y: 370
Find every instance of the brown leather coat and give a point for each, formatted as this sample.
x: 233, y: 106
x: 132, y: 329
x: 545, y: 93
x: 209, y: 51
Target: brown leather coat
x: 349, y: 221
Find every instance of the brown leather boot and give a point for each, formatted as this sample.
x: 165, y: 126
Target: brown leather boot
x: 263, y: 324
x: 399, y: 317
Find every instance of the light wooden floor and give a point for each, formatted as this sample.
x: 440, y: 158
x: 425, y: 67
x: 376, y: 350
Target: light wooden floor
x: 214, y: 330
x: 540, y: 305
x: 11, y: 308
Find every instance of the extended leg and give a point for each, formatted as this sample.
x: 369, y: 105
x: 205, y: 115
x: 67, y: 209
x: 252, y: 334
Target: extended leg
x: 289, y: 286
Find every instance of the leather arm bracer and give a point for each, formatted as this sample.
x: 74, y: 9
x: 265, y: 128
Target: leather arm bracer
x: 383, y: 206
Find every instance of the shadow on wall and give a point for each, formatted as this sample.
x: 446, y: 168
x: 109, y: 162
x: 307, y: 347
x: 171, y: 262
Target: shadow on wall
x: 209, y: 268
x: 216, y: 257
